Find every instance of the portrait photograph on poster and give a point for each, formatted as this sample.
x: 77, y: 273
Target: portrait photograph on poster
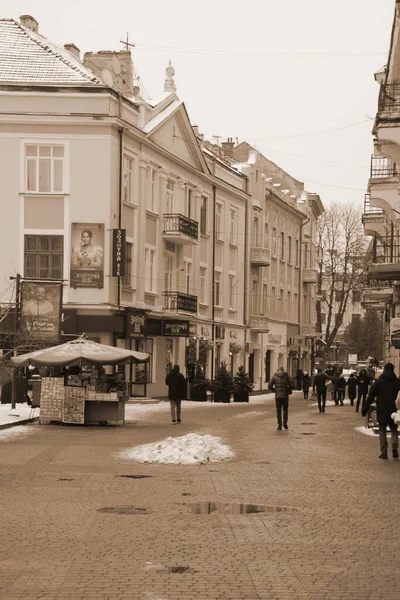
x: 40, y: 311
x: 87, y: 255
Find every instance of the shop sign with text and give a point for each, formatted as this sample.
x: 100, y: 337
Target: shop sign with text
x: 119, y: 245
x: 176, y: 328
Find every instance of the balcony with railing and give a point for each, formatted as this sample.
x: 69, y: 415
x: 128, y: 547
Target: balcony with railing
x: 385, y: 258
x: 383, y: 167
x: 180, y: 303
x: 380, y: 295
x: 260, y: 257
x: 259, y: 323
x: 180, y: 229
x: 389, y: 97
x: 374, y: 218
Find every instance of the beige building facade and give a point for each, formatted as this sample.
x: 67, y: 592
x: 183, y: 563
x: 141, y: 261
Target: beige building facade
x: 219, y: 259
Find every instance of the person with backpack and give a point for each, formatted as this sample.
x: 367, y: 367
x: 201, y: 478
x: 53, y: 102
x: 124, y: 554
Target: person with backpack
x: 281, y: 385
x: 341, y: 390
x: 177, y: 390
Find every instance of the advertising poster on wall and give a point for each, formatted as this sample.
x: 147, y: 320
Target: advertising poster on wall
x: 87, y: 255
x: 40, y: 311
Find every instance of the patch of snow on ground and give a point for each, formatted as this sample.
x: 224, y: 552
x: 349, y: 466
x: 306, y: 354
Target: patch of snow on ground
x: 12, y: 415
x: 15, y: 432
x: 251, y: 414
x: 190, y: 449
x: 366, y: 431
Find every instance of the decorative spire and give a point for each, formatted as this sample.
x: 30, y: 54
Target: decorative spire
x: 169, y: 84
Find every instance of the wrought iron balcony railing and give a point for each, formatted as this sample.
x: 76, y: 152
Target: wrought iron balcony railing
x: 386, y: 249
x: 180, y: 302
x: 371, y: 210
x: 383, y: 167
x: 176, y: 223
x: 389, y: 97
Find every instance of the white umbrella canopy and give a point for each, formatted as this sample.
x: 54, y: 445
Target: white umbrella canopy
x: 81, y: 349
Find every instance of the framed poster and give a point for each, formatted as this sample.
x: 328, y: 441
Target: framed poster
x: 73, y: 408
x: 41, y: 304
x: 87, y: 255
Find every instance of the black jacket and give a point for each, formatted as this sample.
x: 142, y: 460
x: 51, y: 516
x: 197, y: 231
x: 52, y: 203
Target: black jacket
x: 320, y: 381
x: 176, y: 383
x: 384, y: 392
x: 352, y: 385
x: 306, y: 382
x: 363, y: 382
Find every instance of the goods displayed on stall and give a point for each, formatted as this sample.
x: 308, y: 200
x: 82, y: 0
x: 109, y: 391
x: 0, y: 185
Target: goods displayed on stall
x: 82, y: 392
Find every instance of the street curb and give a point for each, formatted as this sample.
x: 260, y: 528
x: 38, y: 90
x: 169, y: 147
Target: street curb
x: 23, y: 422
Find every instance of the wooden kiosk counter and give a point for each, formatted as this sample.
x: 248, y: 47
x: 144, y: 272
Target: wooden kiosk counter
x: 67, y: 399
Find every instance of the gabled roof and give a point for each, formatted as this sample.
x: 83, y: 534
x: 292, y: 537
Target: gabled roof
x: 28, y: 57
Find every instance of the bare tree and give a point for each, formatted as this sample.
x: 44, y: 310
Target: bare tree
x: 342, y: 266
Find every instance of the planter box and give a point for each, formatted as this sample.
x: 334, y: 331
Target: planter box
x: 198, y: 394
x: 241, y: 397
x: 222, y: 397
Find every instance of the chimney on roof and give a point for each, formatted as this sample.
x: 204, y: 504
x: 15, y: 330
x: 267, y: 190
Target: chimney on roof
x: 74, y: 50
x: 114, y: 68
x: 228, y: 147
x: 29, y: 22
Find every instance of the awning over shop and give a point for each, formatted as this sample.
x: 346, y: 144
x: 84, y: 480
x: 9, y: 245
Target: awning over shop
x: 77, y: 351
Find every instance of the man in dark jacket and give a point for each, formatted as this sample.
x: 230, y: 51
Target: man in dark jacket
x: 363, y: 382
x: 320, y: 387
x: 176, y: 383
x: 384, y: 392
x: 280, y: 384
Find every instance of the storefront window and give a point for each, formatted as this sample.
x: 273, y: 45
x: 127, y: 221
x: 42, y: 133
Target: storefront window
x: 142, y: 373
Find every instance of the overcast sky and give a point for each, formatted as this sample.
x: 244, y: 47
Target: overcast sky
x: 265, y: 71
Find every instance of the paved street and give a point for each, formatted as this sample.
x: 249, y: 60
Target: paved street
x: 330, y: 529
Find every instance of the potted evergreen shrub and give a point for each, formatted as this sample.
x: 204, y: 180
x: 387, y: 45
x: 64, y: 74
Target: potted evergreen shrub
x: 222, y: 386
x: 199, y: 385
x: 241, y: 385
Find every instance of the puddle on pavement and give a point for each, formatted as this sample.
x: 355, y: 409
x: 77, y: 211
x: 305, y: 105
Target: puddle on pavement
x: 226, y: 508
x: 135, y: 476
x: 124, y: 510
x: 181, y: 570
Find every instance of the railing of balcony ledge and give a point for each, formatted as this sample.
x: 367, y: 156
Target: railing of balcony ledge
x: 178, y: 301
x: 386, y: 250
x: 175, y: 223
x: 371, y: 210
x: 382, y: 166
x: 389, y: 97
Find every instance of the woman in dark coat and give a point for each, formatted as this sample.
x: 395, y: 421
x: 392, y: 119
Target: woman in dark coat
x: 177, y: 389
x: 306, y: 384
x: 352, y: 388
x: 384, y: 392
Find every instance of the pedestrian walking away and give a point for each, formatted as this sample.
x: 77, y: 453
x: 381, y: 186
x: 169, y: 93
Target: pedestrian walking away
x: 363, y: 382
x: 335, y: 382
x: 306, y: 384
x: 341, y: 390
x: 177, y: 388
x: 280, y: 384
x: 352, y: 388
x: 320, y: 387
x: 384, y: 393
x: 299, y: 379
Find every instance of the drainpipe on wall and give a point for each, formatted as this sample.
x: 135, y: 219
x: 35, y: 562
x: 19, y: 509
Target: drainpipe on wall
x: 213, y: 283
x: 120, y: 194
x: 300, y: 306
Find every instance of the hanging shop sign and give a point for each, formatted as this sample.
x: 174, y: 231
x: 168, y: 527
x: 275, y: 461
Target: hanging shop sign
x: 41, y: 304
x: 135, y: 324
x: 175, y: 328
x: 118, y: 252
x: 395, y: 332
x: 87, y: 255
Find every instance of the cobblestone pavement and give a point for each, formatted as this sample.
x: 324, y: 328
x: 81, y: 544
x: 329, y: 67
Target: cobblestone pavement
x: 330, y: 531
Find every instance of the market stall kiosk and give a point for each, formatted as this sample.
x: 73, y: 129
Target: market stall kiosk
x: 83, y: 393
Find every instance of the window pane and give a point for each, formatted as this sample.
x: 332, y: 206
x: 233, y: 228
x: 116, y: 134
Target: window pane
x: 30, y: 265
x: 44, y: 243
x: 31, y: 243
x: 30, y: 150
x: 58, y: 151
x: 58, y: 175
x: 57, y: 243
x: 44, y: 150
x: 31, y: 175
x: 44, y: 175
